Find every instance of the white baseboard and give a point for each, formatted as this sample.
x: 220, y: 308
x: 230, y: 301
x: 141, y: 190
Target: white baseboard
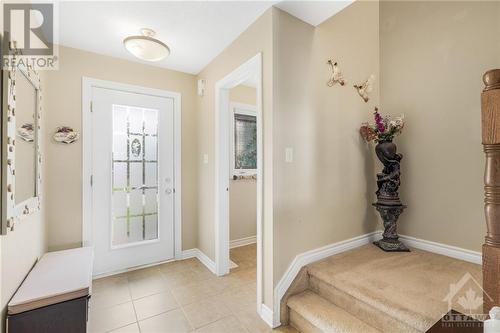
x: 443, y: 249
x: 267, y: 315
x: 242, y: 242
x: 186, y: 254
x: 197, y: 253
x: 311, y: 256
x: 205, y: 260
x: 131, y: 269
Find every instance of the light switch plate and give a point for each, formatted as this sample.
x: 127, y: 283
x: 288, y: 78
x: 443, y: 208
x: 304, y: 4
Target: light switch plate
x: 201, y: 87
x: 205, y: 158
x: 289, y: 155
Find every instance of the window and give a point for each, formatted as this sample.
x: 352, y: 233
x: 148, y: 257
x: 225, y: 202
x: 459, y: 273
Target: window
x: 244, y: 139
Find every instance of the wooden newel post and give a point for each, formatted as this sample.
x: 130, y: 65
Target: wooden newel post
x: 490, y: 115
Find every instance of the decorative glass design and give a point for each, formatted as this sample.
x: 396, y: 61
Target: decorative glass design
x: 245, y: 141
x: 135, y: 147
x: 135, y: 175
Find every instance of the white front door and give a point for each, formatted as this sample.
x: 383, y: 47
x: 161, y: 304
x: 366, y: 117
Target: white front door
x: 132, y: 179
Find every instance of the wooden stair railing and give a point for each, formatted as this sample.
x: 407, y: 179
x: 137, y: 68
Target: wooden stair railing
x: 490, y: 114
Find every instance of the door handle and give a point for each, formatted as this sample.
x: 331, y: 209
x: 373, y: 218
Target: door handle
x: 168, y: 190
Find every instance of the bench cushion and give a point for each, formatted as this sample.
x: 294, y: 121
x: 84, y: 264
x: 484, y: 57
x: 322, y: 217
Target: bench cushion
x: 57, y: 277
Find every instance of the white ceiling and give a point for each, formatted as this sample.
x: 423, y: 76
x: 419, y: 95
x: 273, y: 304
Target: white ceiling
x: 313, y: 12
x: 195, y: 31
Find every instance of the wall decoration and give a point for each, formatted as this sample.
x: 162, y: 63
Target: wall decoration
x: 26, y: 132
x: 388, y: 203
x: 365, y: 88
x: 65, y: 134
x: 336, y: 76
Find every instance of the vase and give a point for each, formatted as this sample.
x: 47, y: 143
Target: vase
x: 388, y: 203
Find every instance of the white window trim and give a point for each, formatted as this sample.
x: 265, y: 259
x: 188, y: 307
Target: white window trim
x: 245, y: 109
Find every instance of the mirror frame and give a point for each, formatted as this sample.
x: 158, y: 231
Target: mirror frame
x: 12, y: 212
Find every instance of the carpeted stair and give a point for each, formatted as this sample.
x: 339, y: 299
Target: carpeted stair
x: 368, y: 290
x: 310, y: 312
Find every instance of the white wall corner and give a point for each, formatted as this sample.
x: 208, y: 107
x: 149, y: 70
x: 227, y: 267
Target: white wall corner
x: 202, y: 257
x: 267, y: 316
x: 205, y: 260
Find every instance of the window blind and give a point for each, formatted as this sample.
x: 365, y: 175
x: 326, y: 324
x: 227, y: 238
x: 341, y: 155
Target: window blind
x: 245, y: 141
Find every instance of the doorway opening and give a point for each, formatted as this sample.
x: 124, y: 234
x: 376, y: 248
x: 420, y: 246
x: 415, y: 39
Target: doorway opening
x: 243, y: 179
x: 238, y: 165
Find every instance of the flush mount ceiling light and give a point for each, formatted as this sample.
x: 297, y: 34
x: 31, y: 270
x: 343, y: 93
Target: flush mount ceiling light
x: 146, y: 47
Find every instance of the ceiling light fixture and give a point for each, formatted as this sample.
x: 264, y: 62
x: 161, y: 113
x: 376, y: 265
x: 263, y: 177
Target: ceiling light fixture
x: 146, y: 47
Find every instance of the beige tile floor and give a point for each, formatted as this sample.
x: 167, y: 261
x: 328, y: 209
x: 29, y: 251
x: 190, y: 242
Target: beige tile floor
x: 180, y: 296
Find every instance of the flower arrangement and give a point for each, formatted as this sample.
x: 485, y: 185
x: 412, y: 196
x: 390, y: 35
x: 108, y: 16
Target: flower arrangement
x: 384, y: 128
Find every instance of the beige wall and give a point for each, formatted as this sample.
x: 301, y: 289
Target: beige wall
x: 64, y: 162
x: 433, y: 55
x: 21, y: 248
x: 429, y: 64
x: 243, y: 94
x: 242, y: 192
x: 257, y: 38
x: 242, y: 208
x: 325, y: 195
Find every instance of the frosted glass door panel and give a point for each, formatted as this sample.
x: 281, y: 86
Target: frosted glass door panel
x: 135, y: 175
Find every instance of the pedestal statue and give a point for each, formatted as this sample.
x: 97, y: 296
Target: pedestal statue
x: 388, y: 203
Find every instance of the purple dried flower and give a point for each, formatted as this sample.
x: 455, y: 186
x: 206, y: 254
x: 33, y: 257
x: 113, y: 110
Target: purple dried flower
x: 379, y: 122
x: 384, y: 129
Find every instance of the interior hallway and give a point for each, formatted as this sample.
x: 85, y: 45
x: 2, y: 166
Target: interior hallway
x: 180, y: 296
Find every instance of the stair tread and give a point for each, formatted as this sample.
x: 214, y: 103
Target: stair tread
x: 407, y: 286
x: 326, y: 316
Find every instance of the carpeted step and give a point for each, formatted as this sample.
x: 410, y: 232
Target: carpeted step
x: 312, y: 313
x: 371, y: 314
x: 393, y: 292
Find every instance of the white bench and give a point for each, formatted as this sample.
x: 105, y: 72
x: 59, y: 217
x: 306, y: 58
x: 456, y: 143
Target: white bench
x: 54, y: 296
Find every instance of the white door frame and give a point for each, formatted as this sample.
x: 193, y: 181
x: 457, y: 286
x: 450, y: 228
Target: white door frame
x: 87, y: 85
x: 222, y: 166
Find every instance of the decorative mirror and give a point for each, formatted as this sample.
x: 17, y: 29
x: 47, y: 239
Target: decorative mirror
x: 21, y: 156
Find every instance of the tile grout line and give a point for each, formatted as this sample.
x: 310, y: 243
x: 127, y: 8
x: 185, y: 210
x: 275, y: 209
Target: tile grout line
x: 187, y: 318
x: 133, y: 305
x: 182, y: 309
x: 160, y: 292
x: 200, y: 278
